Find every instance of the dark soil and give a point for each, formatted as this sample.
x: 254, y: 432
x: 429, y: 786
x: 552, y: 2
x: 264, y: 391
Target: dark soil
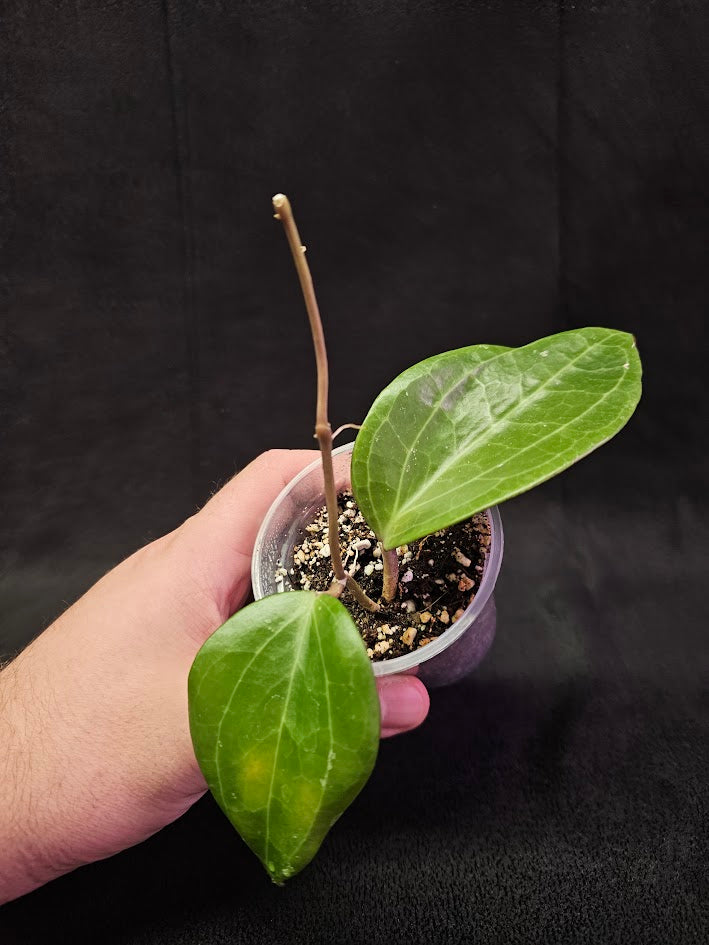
x: 438, y: 577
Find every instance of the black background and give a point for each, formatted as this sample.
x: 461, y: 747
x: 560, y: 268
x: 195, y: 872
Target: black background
x: 462, y: 172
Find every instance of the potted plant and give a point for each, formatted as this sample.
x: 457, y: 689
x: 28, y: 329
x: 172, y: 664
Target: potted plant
x: 438, y: 627
x: 284, y: 714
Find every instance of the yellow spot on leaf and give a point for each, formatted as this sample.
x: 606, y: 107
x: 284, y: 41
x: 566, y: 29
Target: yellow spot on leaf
x: 255, y: 777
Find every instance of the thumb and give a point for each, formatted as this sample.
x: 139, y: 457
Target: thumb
x: 219, y: 539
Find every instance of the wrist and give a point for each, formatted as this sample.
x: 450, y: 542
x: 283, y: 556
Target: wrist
x: 84, y: 770
x: 23, y: 865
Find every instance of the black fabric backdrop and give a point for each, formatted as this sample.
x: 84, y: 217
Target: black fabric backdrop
x: 462, y: 172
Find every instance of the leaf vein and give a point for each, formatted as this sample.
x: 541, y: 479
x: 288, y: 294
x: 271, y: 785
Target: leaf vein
x: 487, y: 432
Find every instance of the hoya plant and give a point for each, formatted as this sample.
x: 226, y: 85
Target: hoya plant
x: 284, y: 713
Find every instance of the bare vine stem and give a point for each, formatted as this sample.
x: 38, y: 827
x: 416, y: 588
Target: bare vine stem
x: 323, y: 430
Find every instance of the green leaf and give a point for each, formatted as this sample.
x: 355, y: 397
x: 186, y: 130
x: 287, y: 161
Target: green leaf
x: 284, y: 718
x: 465, y: 430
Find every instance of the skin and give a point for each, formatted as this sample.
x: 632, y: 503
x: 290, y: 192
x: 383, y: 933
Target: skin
x: 96, y: 752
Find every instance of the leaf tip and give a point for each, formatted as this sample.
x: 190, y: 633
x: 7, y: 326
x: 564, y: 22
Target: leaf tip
x: 279, y: 874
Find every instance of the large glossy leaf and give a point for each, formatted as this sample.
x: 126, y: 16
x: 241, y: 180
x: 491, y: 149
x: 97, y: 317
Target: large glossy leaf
x: 462, y: 431
x: 284, y: 719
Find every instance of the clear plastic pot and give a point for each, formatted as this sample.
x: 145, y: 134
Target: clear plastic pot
x: 445, y: 660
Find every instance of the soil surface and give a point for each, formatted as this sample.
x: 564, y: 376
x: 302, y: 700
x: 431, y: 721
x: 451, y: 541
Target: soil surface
x: 438, y: 577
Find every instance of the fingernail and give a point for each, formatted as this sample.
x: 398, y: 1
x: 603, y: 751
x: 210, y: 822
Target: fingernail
x: 404, y: 701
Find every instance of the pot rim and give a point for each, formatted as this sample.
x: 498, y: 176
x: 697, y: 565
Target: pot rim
x: 408, y: 661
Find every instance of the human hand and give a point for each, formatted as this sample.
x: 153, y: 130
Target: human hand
x: 97, y: 753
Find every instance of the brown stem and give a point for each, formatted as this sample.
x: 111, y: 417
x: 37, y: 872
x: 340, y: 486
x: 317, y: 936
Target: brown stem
x: 323, y: 430
x: 390, y: 560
